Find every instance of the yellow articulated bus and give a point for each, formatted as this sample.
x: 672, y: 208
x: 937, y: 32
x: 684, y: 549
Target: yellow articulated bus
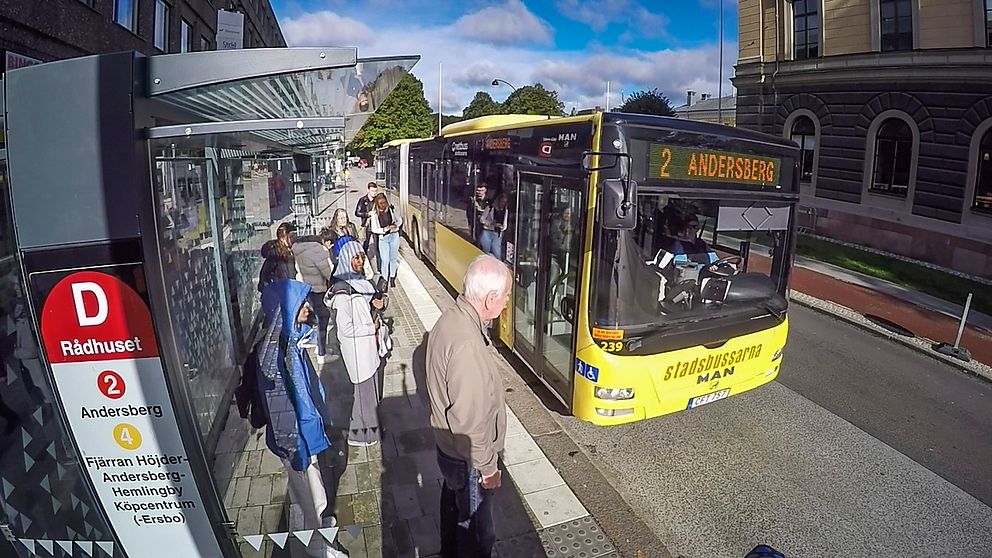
x: 650, y: 255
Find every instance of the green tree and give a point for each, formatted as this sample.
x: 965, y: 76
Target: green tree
x: 404, y: 114
x: 534, y: 99
x: 445, y: 120
x: 647, y: 102
x: 482, y: 105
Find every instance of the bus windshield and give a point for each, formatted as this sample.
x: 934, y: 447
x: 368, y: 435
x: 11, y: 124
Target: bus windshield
x: 690, y: 260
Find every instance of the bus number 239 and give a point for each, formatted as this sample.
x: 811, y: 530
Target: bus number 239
x: 611, y: 346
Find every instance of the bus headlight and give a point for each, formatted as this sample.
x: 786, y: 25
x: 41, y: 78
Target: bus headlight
x: 778, y: 354
x: 614, y: 394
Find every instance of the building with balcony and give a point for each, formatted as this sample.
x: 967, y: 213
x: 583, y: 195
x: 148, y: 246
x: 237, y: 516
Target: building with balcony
x: 891, y: 102
x: 35, y: 30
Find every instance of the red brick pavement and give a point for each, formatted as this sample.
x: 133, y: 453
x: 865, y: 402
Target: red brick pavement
x: 921, y: 321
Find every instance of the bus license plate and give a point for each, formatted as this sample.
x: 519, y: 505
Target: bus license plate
x: 708, y: 398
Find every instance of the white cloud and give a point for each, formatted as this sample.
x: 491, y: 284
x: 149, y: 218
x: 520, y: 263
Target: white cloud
x: 650, y: 24
x: 597, y: 14
x: 579, y: 77
x: 478, y: 74
x: 509, y: 24
x: 325, y: 29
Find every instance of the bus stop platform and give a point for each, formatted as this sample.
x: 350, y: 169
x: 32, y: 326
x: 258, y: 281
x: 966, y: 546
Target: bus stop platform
x: 386, y: 497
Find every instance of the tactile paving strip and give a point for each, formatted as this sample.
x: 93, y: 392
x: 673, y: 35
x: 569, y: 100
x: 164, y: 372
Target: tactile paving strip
x: 581, y: 538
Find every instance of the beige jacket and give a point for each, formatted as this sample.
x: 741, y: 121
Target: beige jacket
x: 468, y: 409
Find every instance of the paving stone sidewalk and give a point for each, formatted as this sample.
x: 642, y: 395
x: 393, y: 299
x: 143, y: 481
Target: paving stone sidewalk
x: 386, y: 497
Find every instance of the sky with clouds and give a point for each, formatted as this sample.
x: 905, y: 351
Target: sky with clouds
x: 572, y: 46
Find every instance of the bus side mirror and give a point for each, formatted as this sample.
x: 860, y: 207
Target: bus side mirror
x: 617, y: 208
x: 606, y: 160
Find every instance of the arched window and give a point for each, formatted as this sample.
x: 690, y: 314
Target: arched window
x: 983, y: 179
x: 893, y: 158
x: 804, y: 134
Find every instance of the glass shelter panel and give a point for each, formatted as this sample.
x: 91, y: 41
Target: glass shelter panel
x: 220, y: 199
x: 354, y: 90
x: 190, y: 258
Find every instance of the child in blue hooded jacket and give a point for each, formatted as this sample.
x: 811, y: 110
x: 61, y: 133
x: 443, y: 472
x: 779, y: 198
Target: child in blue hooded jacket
x: 293, y: 401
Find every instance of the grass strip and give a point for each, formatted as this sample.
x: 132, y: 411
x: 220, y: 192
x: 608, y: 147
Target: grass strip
x: 924, y: 279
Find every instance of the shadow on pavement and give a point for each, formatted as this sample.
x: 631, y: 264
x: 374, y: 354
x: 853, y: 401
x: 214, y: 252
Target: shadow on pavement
x: 411, y: 480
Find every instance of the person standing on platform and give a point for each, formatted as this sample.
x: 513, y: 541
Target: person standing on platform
x: 293, y: 401
x: 341, y: 226
x: 385, y: 224
x: 277, y: 253
x: 313, y: 260
x: 363, y: 210
x: 468, y: 411
x: 354, y: 301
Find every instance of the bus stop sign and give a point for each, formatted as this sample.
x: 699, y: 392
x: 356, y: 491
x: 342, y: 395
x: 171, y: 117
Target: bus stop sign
x: 98, y: 336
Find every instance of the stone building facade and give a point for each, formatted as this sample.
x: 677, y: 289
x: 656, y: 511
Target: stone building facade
x: 891, y: 101
x: 45, y: 30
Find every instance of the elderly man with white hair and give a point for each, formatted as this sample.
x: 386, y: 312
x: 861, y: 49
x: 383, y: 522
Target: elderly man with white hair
x: 468, y: 410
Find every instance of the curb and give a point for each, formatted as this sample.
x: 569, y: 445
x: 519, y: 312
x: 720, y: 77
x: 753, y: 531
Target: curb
x: 919, y: 344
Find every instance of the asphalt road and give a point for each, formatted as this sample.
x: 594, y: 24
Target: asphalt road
x: 861, y: 448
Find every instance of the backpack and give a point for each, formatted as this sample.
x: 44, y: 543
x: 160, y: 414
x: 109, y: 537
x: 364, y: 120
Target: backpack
x: 246, y: 394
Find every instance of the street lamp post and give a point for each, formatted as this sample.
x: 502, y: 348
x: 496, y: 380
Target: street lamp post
x: 498, y: 81
x: 719, y: 94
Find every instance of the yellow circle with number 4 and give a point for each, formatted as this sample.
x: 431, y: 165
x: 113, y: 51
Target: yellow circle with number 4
x: 127, y: 436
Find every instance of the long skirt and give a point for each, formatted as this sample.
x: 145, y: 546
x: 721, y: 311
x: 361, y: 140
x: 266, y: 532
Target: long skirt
x: 365, y: 413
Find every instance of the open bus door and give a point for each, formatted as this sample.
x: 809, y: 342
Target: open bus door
x: 548, y: 261
x: 431, y: 187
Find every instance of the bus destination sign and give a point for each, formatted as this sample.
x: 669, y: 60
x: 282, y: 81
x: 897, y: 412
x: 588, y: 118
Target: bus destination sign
x: 671, y: 162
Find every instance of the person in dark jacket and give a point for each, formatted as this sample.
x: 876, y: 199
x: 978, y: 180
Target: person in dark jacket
x: 341, y: 225
x: 363, y: 210
x: 314, y: 264
x: 278, y: 257
x: 293, y: 399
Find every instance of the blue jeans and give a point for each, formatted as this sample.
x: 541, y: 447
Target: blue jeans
x: 389, y: 252
x: 492, y: 243
x: 467, y: 527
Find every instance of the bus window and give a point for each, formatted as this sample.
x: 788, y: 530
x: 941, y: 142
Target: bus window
x: 689, y: 260
x: 459, y: 214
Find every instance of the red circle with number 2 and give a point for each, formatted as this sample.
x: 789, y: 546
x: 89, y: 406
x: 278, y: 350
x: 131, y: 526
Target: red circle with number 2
x: 111, y: 384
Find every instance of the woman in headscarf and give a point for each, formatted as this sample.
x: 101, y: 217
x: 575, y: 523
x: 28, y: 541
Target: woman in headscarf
x: 354, y: 301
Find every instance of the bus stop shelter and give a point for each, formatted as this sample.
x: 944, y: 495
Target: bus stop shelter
x: 135, y: 195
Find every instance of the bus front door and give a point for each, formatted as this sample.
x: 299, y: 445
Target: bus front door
x: 547, y: 266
